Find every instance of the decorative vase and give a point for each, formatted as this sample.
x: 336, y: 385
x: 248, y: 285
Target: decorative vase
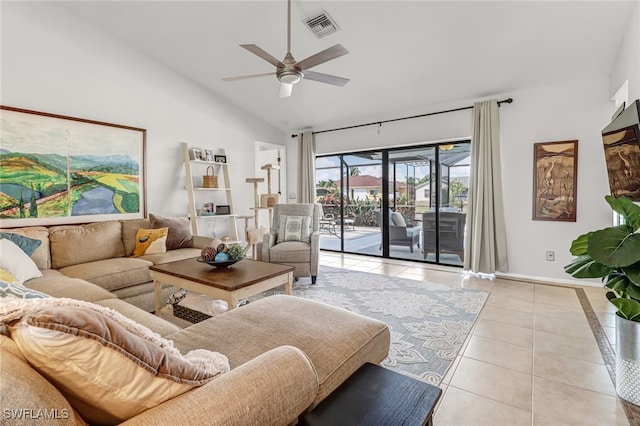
x: 628, y: 360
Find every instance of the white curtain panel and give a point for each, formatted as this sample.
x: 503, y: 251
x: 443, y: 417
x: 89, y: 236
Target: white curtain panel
x: 307, y: 181
x: 485, y: 239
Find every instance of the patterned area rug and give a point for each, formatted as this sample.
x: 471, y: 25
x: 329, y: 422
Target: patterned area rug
x: 429, y: 322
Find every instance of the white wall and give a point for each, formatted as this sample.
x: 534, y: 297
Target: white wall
x: 54, y: 63
x: 627, y: 63
x: 576, y: 110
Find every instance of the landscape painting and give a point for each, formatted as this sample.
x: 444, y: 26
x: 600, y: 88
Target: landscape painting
x: 555, y: 168
x: 58, y: 170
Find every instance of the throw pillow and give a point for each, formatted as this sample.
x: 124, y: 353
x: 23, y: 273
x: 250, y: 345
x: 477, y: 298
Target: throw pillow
x: 9, y: 289
x: 7, y: 277
x: 108, y: 373
x: 151, y: 241
x: 294, y: 228
x: 179, y: 235
x: 17, y: 262
x: 28, y: 245
x: 398, y: 219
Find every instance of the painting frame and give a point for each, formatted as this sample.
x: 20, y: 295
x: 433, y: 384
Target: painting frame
x: 555, y: 181
x: 196, y: 154
x: 220, y: 159
x: 58, y: 160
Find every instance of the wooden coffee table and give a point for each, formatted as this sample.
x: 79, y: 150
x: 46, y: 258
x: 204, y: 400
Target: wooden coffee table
x: 239, y: 281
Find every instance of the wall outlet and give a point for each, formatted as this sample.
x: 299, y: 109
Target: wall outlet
x: 551, y: 255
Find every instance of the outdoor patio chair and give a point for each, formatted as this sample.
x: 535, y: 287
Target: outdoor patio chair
x: 327, y: 222
x: 400, y: 233
x: 451, y: 233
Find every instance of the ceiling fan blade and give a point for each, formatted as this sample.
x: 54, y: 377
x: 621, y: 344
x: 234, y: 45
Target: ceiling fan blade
x: 264, y: 55
x: 285, y: 90
x: 244, y: 77
x: 325, y: 78
x: 322, y: 57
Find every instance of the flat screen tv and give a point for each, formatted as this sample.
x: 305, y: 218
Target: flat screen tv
x: 621, y: 141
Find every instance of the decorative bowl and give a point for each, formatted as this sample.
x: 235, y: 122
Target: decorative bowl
x: 217, y: 264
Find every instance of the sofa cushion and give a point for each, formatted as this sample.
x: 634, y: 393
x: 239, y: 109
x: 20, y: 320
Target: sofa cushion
x: 109, y: 367
x: 28, y: 245
x: 340, y: 343
x: 151, y: 321
x: 294, y: 228
x: 76, y: 244
x: 179, y: 230
x: 142, y: 295
x: 24, y: 391
x: 151, y: 241
x: 41, y: 255
x: 172, y: 255
x: 17, y: 262
x: 129, y: 229
x: 290, y: 252
x: 112, y: 274
x: 56, y: 284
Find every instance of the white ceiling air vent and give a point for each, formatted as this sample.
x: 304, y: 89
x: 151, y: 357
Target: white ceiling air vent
x: 322, y: 25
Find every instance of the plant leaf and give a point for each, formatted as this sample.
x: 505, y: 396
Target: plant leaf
x: 633, y: 273
x: 623, y: 286
x: 579, y: 245
x: 627, y: 308
x: 586, y: 267
x: 615, y: 247
x: 627, y: 209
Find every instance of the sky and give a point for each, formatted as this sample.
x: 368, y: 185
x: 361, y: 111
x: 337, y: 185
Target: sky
x: 29, y: 133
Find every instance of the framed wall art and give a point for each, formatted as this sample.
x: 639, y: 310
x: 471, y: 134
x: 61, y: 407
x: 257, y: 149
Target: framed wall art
x: 196, y: 154
x: 220, y: 158
x: 56, y: 169
x: 555, y: 177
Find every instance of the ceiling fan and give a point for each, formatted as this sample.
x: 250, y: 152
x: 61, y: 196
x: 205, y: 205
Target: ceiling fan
x: 289, y: 71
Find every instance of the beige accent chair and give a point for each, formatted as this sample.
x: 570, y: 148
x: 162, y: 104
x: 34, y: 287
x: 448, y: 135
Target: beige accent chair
x: 303, y: 256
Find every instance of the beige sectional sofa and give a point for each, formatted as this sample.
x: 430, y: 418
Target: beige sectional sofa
x: 101, y: 253
x: 286, y: 353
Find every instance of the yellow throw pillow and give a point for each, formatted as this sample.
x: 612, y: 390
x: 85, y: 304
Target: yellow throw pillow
x: 7, y: 277
x: 151, y: 241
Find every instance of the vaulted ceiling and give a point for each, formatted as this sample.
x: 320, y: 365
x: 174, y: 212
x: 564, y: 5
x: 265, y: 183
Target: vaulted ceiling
x: 403, y: 54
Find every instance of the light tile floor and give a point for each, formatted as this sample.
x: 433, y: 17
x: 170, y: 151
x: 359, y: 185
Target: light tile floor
x: 531, y: 358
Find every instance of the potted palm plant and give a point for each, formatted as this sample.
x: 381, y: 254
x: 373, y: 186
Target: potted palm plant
x: 613, y: 254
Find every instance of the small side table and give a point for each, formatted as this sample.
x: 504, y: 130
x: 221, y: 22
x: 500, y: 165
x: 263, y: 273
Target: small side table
x: 374, y: 395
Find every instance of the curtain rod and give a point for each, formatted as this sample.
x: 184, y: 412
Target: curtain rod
x: 505, y: 101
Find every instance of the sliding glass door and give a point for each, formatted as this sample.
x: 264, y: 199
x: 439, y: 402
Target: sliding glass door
x: 349, y: 188
x: 444, y: 213
x: 406, y: 203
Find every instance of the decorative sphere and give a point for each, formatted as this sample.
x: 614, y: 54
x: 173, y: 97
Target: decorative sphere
x: 222, y: 257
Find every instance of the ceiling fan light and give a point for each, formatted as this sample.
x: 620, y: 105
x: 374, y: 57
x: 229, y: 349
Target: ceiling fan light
x: 290, y: 77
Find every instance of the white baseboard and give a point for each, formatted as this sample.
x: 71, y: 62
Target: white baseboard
x: 547, y: 280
